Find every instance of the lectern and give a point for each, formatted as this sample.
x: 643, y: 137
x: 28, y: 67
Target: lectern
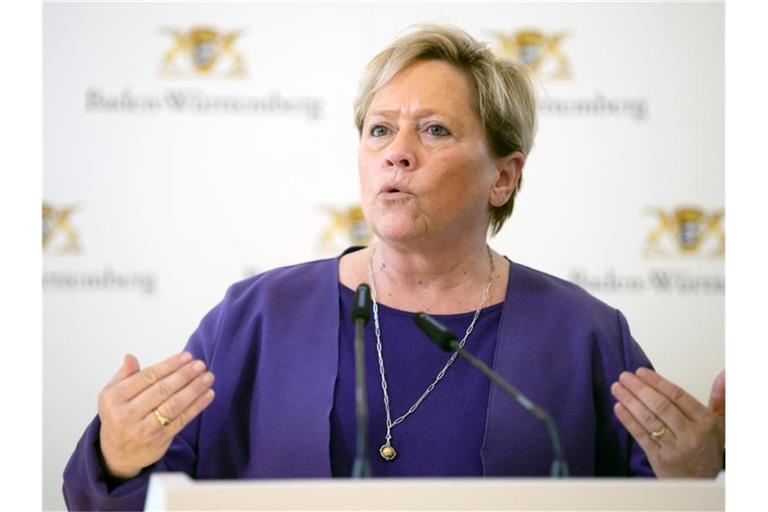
x: 176, y: 491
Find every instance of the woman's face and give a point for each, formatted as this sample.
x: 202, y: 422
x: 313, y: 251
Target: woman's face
x: 425, y: 166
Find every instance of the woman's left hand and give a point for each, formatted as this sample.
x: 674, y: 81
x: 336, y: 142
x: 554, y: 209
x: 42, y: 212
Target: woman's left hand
x: 680, y: 436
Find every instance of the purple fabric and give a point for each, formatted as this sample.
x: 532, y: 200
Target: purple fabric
x: 273, y: 343
x: 445, y: 435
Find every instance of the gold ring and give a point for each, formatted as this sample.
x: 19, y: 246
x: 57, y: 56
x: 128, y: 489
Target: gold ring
x: 658, y: 433
x: 161, y: 419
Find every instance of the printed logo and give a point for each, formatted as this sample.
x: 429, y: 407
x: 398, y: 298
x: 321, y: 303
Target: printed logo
x: 540, y: 52
x: 687, y: 231
x: 347, y: 227
x: 59, y: 235
x: 202, y: 51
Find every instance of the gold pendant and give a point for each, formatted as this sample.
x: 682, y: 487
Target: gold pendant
x: 387, y: 452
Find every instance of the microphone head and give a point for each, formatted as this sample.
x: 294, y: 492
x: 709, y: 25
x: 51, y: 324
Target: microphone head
x: 361, y: 307
x: 435, y: 331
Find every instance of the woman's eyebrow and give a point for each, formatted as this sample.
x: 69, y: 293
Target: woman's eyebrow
x: 424, y: 112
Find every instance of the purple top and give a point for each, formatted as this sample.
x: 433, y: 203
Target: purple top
x: 444, y: 436
x: 274, y: 345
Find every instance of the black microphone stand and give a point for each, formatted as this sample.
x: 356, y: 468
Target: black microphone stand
x: 361, y: 313
x: 447, y: 341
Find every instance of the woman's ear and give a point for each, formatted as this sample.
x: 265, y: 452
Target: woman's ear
x: 509, y: 171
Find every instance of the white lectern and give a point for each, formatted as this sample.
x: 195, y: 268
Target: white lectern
x: 176, y: 491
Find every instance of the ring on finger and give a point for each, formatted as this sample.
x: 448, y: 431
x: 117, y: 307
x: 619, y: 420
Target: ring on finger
x: 163, y: 420
x: 658, y: 434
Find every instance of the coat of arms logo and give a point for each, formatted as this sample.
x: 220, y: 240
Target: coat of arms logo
x: 539, y: 51
x: 347, y: 227
x: 202, y: 51
x: 687, y: 231
x: 58, y: 233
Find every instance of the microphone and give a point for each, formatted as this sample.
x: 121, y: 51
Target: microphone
x: 361, y: 313
x: 361, y: 308
x: 446, y: 340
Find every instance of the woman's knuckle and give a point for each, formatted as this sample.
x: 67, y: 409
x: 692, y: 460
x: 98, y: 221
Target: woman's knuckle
x: 676, y: 394
x: 107, y: 397
x: 648, y: 417
x: 663, y: 406
x: 172, y: 408
x: 149, y: 375
x: 163, y: 390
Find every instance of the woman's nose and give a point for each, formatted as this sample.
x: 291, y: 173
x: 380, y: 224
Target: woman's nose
x: 401, y: 152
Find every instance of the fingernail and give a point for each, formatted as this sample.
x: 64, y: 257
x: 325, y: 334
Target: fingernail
x: 198, y: 366
x: 186, y: 357
x: 208, y: 378
x: 211, y: 394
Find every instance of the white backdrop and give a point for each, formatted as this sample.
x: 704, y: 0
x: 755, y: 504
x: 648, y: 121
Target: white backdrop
x: 173, y: 182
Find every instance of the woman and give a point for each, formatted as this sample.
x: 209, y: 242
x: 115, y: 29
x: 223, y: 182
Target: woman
x: 445, y: 128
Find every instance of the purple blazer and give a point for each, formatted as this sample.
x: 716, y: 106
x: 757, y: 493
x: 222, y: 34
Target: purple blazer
x: 273, y: 345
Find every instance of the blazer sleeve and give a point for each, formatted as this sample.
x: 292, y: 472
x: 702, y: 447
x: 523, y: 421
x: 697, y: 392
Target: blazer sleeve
x: 634, y: 359
x: 87, y: 486
x: 618, y: 453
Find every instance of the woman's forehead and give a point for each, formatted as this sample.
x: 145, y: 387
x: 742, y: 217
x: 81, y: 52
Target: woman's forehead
x: 424, y: 88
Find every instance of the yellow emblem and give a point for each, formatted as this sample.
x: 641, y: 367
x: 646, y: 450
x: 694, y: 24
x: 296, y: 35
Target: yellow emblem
x: 346, y: 228
x: 56, y: 226
x: 540, y: 52
x: 687, y: 231
x: 202, y: 51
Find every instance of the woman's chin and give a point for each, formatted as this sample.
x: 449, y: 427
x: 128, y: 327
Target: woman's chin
x: 397, y: 230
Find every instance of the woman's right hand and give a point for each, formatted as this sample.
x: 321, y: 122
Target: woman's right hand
x: 135, y: 403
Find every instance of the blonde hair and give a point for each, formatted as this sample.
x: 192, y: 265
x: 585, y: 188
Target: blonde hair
x: 503, y: 91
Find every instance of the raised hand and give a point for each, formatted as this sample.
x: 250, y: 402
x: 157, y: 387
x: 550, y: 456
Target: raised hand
x: 680, y: 436
x: 142, y: 410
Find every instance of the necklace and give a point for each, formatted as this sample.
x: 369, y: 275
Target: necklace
x: 387, y: 451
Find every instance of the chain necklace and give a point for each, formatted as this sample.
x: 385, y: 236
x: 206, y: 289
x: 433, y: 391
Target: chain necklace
x: 387, y: 451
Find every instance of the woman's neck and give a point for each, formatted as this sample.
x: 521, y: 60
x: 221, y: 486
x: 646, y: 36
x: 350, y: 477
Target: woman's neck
x: 440, y: 270
x: 438, y: 282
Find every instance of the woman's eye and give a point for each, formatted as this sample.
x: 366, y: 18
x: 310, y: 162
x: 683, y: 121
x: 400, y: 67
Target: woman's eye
x: 438, y: 130
x: 378, y: 130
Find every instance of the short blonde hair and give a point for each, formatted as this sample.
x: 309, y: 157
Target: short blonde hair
x: 503, y: 90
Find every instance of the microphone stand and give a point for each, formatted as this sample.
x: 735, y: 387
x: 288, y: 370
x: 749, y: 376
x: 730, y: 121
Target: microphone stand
x: 361, y: 313
x: 447, y: 341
